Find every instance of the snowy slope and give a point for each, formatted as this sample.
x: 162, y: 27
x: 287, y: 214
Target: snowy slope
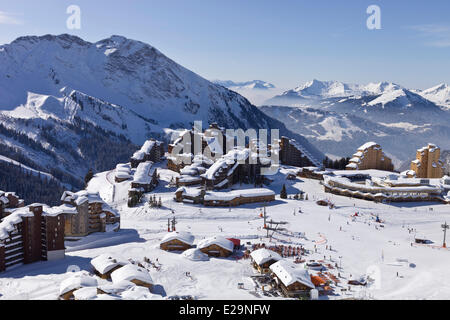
x: 439, y: 94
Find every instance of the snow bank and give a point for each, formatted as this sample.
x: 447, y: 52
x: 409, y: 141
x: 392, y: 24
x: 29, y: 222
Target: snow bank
x: 194, y: 255
x: 77, y: 281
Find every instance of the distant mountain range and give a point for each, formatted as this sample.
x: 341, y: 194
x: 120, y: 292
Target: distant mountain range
x: 338, y: 117
x: 67, y: 105
x: 254, y: 84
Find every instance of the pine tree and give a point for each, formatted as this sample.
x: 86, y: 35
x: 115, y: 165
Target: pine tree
x: 88, y: 176
x: 283, y: 193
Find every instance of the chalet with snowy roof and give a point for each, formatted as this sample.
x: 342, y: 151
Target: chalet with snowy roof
x: 263, y: 258
x: 293, y: 280
x: 145, y: 177
x: 92, y: 214
x: 123, y: 172
x: 427, y: 163
x: 191, y: 174
x: 9, y: 201
x: 294, y: 154
x: 152, y: 150
x: 75, y: 282
x: 177, y: 241
x: 132, y: 273
x: 190, y: 143
x: 33, y: 233
x: 217, y: 246
x: 106, y: 264
x: 190, y: 195
x: 370, y: 156
x: 236, y: 198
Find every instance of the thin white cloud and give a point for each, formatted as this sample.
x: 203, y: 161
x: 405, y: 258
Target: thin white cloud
x: 435, y: 35
x: 8, y: 18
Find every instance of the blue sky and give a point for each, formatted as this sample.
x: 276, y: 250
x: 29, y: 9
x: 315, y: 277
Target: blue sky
x: 287, y: 42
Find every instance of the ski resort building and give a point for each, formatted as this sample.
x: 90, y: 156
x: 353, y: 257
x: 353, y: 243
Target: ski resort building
x: 191, y: 175
x: 427, y: 163
x: 123, y: 172
x: 92, y: 214
x: 9, y: 201
x: 145, y: 177
x: 237, y: 166
x: 238, y: 197
x: 33, y: 233
x: 177, y: 241
x: 231, y: 198
x: 217, y: 246
x: 370, y: 156
x: 263, y: 258
x: 291, y: 279
x: 190, y: 143
x: 293, y: 154
x: 152, y: 150
x: 389, y: 188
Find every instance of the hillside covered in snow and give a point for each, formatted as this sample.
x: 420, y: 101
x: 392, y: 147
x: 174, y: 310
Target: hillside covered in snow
x: 67, y: 105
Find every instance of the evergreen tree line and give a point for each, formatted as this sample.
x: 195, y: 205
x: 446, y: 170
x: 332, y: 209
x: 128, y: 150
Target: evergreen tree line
x: 32, y: 187
x: 339, y: 164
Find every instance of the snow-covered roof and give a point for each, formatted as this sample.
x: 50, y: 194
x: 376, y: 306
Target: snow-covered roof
x: 191, y: 192
x: 263, y: 255
x: 290, y: 273
x: 131, y: 272
x: 245, y: 193
x: 217, y: 240
x: 62, y: 209
x: 139, y: 293
x: 146, y: 149
x: 77, y: 280
x: 236, y: 155
x: 144, y: 173
x: 182, y: 236
x: 194, y: 255
x: 367, y: 145
x: 9, y: 223
x: 86, y: 293
x: 81, y: 197
x: 106, y: 262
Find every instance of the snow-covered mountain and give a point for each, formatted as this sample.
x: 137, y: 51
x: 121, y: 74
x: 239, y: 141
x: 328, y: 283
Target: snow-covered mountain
x: 254, y: 84
x: 316, y: 90
x: 439, y: 94
x: 67, y: 104
x: 338, y: 117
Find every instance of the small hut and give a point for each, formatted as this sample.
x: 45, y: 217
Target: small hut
x: 292, y: 280
x: 216, y: 246
x: 138, y: 276
x: 177, y: 241
x: 106, y: 264
x: 77, y: 281
x: 263, y: 259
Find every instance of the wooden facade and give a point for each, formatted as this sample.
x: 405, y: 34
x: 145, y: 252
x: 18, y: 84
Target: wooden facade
x: 38, y: 237
x: 175, y: 245
x: 216, y: 251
